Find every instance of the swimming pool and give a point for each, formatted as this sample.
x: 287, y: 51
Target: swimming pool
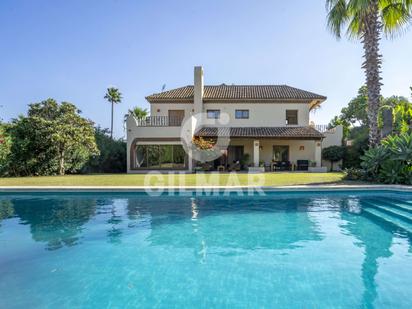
x: 283, y: 250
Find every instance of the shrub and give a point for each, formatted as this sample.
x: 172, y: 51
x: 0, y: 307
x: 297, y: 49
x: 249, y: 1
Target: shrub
x: 392, y: 172
x: 360, y: 140
x: 390, y: 162
x: 400, y: 147
x: 112, y: 158
x: 373, y: 159
x: 354, y: 174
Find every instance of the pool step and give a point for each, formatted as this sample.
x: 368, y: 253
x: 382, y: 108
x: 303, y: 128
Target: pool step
x: 390, y: 210
x: 406, y: 205
x: 394, y: 221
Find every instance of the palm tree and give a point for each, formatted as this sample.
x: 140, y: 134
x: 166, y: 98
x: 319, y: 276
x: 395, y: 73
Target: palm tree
x: 139, y: 113
x: 114, y: 96
x: 366, y: 20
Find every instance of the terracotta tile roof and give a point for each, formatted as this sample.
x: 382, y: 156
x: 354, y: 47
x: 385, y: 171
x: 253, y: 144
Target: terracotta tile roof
x: 276, y: 132
x: 249, y: 93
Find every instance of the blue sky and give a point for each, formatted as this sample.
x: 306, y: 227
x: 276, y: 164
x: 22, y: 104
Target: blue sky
x: 73, y: 50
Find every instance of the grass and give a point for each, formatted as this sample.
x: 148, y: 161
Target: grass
x: 215, y: 179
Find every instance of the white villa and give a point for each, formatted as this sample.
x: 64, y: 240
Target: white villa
x: 268, y: 127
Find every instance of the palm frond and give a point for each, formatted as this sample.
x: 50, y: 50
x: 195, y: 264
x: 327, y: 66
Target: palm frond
x: 395, y: 16
x: 357, y: 10
x: 338, y: 16
x: 359, y: 5
x: 113, y: 95
x: 354, y: 30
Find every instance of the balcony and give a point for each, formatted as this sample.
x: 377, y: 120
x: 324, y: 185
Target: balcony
x: 323, y: 128
x: 154, y: 127
x: 160, y: 121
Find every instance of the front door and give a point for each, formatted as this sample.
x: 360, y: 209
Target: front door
x: 176, y: 117
x: 281, y: 153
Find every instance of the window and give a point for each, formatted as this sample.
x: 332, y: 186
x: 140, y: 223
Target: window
x: 291, y: 117
x: 242, y: 114
x: 213, y: 114
x: 153, y: 156
x: 166, y: 156
x: 160, y: 156
x: 179, y: 156
x: 141, y: 156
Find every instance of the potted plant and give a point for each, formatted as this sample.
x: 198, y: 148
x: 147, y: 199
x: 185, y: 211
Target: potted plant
x: 244, y: 161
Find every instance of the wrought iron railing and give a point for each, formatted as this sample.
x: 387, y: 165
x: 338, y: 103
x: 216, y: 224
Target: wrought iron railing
x: 324, y: 128
x: 160, y: 121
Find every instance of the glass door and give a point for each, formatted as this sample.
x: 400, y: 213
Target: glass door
x: 280, y: 153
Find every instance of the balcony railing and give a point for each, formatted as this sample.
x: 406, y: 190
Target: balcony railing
x: 166, y: 121
x: 324, y: 128
x: 160, y: 121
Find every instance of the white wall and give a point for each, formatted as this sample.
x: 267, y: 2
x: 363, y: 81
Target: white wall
x: 332, y: 138
x: 260, y: 114
x: 162, y: 109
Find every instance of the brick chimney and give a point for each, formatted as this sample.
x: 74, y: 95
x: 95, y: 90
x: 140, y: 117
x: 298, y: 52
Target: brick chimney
x: 198, y: 90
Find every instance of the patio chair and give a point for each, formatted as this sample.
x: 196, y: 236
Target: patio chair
x: 285, y: 166
x: 302, y: 165
x: 235, y: 166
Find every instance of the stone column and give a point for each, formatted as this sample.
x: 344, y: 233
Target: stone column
x: 318, y: 153
x: 198, y: 90
x: 190, y: 161
x: 256, y: 146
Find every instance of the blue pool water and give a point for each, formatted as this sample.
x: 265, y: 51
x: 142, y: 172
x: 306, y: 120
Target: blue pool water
x: 295, y: 250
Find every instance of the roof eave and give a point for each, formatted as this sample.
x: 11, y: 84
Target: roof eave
x: 161, y: 100
x: 269, y: 137
x: 311, y: 102
x: 316, y: 103
x: 243, y: 100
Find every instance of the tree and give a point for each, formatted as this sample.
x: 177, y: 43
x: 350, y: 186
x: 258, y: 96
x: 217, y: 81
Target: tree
x: 401, y: 110
x: 52, y: 139
x: 5, y: 145
x: 366, y: 20
x: 114, y: 96
x: 32, y: 152
x: 73, y: 136
x: 354, y: 120
x: 354, y: 114
x: 112, y: 157
x: 333, y: 154
x: 356, y: 111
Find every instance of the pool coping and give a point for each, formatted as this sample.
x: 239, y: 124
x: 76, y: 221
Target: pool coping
x: 335, y: 187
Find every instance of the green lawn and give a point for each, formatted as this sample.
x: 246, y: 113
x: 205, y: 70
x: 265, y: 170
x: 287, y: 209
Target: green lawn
x: 223, y: 179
